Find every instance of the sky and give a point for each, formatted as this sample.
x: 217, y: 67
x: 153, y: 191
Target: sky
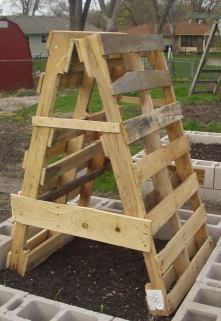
x: 4, y: 7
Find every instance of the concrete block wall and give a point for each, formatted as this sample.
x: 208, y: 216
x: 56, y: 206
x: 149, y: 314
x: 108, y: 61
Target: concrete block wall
x: 211, y: 190
x: 16, y: 305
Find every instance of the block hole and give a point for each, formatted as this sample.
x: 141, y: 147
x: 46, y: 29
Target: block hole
x: 198, y: 316
x: 215, y: 273
x: 77, y: 316
x: 5, y: 296
x: 6, y: 230
x: 208, y: 297
x: 38, y: 311
x: 218, y: 258
x: 15, y: 304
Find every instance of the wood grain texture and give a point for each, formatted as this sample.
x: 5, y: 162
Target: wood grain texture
x: 141, y: 80
x: 181, y: 239
x: 152, y: 163
x: 130, y: 232
x: 145, y: 124
x: 76, y: 124
x: 124, y: 43
x: 70, y: 161
x: 161, y: 213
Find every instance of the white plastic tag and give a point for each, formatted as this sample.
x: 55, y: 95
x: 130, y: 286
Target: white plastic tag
x: 155, y: 299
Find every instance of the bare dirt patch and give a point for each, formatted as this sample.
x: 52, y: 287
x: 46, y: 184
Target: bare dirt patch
x: 205, y: 113
x: 11, y: 104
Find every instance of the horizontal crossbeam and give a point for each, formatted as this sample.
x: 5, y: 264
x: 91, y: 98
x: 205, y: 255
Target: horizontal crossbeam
x: 124, y: 43
x: 88, y: 125
x: 145, y: 124
x: 141, y: 80
x: 127, y: 231
x: 152, y: 163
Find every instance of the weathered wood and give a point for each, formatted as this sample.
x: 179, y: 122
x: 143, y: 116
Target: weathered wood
x: 70, y: 161
x: 187, y: 279
x: 79, y: 124
x: 71, y: 80
x: 177, y: 244
x: 152, y: 163
x: 121, y: 230
x: 77, y: 182
x: 141, y: 80
x: 161, y: 213
x: 124, y: 43
x: 145, y: 124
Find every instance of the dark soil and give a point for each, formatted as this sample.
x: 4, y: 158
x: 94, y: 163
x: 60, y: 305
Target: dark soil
x: 211, y: 152
x: 92, y: 275
x: 205, y: 113
x: 85, y: 273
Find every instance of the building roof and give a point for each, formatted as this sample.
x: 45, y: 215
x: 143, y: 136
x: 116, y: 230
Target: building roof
x: 43, y: 24
x: 182, y: 28
x: 192, y: 28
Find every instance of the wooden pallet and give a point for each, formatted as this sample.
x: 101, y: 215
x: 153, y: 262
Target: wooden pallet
x: 208, y: 66
x: 101, y: 141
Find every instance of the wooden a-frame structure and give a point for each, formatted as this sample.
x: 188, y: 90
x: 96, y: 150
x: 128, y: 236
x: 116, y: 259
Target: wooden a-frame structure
x: 100, y: 141
x: 208, y: 66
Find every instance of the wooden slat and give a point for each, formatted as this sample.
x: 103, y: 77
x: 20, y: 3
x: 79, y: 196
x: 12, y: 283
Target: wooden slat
x: 141, y: 80
x: 111, y: 228
x: 162, y: 212
x: 76, y: 124
x: 152, y: 163
x: 129, y: 99
x: 145, y: 124
x: 70, y: 161
x: 71, y: 80
x: 39, y: 254
x: 181, y: 239
x: 124, y: 43
x: 187, y: 279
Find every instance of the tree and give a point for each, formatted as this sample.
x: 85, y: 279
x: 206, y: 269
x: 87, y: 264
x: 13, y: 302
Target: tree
x: 27, y: 7
x: 109, y: 13
x: 78, y: 13
x: 204, y: 5
x: 161, y: 17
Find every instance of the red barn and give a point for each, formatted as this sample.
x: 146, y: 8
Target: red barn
x: 15, y: 57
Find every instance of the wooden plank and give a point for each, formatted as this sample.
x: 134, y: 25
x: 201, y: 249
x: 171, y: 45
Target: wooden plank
x: 37, y: 239
x: 152, y: 163
x: 162, y: 212
x: 70, y: 161
x: 145, y: 124
x: 141, y: 80
x: 111, y: 228
x: 35, y: 257
x: 181, y: 239
x: 187, y: 279
x: 77, y: 182
x: 88, y: 125
x: 129, y: 99
x: 71, y: 80
x: 124, y: 43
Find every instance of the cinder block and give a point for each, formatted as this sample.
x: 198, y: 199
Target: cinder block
x: 113, y: 206
x: 213, y: 225
x: 202, y: 303
x: 209, y: 168
x: 204, y: 138
x: 217, y: 178
x: 5, y: 242
x: 10, y: 299
x: 211, y: 272
x: 37, y: 308
x: 211, y: 195
x: 95, y: 201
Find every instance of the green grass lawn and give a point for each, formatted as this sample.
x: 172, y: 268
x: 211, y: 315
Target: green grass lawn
x: 66, y: 101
